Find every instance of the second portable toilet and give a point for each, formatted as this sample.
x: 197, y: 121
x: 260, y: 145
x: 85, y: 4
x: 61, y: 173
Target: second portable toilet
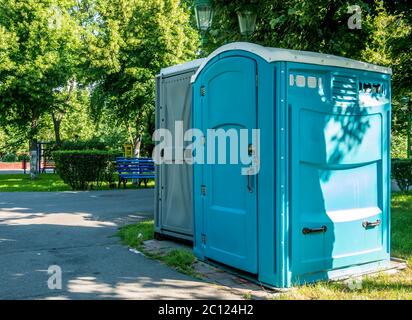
x: 173, y: 189
x: 318, y: 208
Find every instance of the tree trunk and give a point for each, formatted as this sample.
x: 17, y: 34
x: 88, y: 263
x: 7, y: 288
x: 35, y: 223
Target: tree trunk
x: 137, y: 145
x: 34, y: 156
x: 56, y: 124
x: 59, y: 112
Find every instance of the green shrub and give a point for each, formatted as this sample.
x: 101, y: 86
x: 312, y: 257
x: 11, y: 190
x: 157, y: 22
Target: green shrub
x: 91, y: 144
x: 81, y: 168
x: 9, y: 157
x: 23, y: 156
x: 402, y: 173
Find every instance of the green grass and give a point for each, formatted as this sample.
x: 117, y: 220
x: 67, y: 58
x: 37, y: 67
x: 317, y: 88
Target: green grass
x: 402, y: 226
x: 247, y: 296
x: 46, y: 182
x: 134, y: 235
x: 180, y: 259
x: 22, y: 182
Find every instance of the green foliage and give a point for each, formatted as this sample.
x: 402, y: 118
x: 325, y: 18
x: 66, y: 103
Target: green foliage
x: 23, y: 156
x: 402, y: 173
x: 385, y: 36
x: 80, y: 168
x: 40, y: 51
x: 91, y: 144
x: 136, y: 38
x: 399, y: 146
x: 294, y: 24
x: 10, y: 157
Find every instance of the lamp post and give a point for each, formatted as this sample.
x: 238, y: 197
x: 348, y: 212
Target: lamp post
x: 405, y: 100
x: 204, y: 16
x: 247, y: 22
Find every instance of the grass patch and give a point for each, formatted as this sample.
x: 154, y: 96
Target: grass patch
x: 22, y: 182
x: 181, y: 260
x: 402, y: 226
x: 380, y: 287
x: 247, y: 296
x: 46, y: 182
x: 134, y: 235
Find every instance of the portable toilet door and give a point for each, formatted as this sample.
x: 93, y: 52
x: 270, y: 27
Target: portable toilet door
x: 318, y: 207
x: 229, y: 103
x: 173, y: 188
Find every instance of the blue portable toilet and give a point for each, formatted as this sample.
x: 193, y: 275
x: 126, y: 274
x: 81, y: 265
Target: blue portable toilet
x: 319, y: 207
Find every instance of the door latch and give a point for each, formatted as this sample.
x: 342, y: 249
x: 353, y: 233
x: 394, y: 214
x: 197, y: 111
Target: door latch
x: 203, y: 190
x: 367, y: 224
x: 314, y: 230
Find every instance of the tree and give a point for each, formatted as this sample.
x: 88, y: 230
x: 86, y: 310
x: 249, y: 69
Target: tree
x: 385, y: 36
x: 320, y: 26
x: 386, y: 46
x: 136, y: 38
x: 39, y: 52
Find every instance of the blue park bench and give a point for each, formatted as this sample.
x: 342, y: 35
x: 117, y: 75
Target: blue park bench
x: 142, y: 169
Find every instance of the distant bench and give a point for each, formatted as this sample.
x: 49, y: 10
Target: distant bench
x: 135, y: 168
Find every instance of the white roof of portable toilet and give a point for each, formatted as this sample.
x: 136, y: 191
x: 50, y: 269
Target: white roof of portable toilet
x: 181, y: 68
x: 277, y: 54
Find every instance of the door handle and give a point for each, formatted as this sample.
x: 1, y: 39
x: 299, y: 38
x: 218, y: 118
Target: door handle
x: 314, y: 230
x: 250, y: 182
x: 367, y: 224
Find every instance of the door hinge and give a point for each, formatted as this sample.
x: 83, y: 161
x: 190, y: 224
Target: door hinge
x: 202, y: 91
x: 204, y: 238
x: 203, y: 190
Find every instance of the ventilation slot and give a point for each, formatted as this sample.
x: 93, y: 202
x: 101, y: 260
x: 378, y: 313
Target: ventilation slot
x: 344, y: 91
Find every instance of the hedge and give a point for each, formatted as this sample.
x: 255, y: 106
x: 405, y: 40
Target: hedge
x: 91, y: 144
x: 82, y: 168
x: 10, y: 157
x: 402, y: 173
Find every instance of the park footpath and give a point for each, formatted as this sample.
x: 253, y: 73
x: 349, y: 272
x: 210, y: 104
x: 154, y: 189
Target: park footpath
x: 42, y: 233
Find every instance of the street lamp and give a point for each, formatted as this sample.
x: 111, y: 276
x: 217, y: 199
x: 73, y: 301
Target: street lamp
x: 204, y: 14
x: 247, y: 22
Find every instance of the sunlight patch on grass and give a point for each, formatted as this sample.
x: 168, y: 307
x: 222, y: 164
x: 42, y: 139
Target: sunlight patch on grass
x: 23, y: 183
x: 48, y: 182
x: 382, y: 287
